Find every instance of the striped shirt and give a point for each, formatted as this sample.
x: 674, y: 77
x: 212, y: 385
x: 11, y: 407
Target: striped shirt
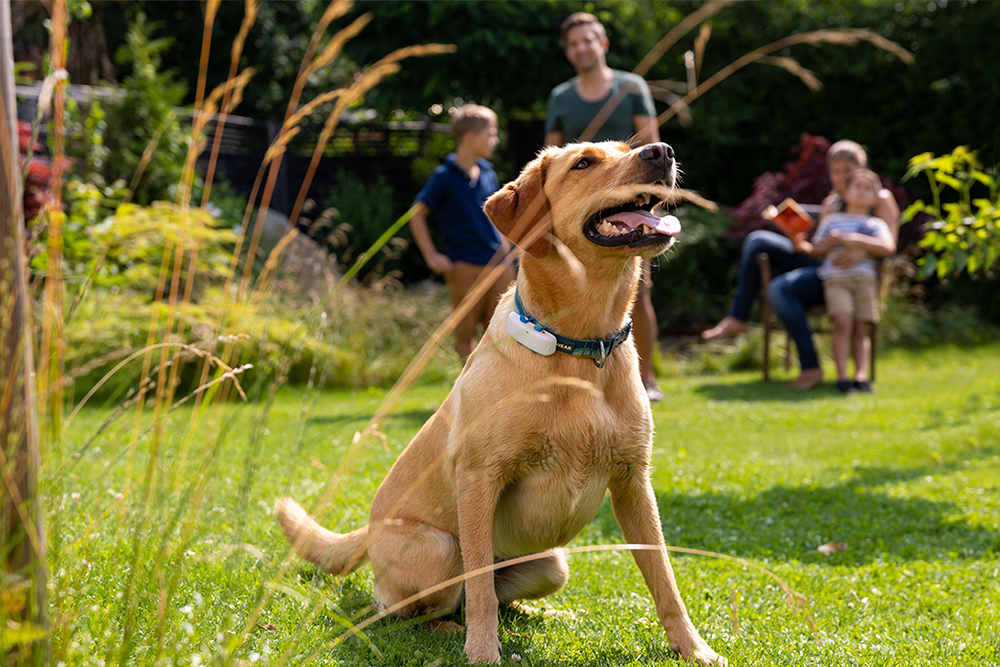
x: 847, y: 223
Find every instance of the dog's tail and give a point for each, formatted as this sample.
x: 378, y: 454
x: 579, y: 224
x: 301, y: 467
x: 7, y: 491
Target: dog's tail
x: 335, y: 553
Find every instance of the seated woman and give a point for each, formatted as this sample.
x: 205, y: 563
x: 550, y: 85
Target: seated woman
x: 795, y: 285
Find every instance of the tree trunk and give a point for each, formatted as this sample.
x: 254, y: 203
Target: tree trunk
x: 89, y: 62
x: 22, y: 535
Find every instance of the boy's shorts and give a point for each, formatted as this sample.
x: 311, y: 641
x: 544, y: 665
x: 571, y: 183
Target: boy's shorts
x: 461, y: 280
x: 854, y: 295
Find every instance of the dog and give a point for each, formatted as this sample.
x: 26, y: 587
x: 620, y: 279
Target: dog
x: 548, y: 413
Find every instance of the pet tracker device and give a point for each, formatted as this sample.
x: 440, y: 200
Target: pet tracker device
x: 531, y: 333
x: 524, y: 331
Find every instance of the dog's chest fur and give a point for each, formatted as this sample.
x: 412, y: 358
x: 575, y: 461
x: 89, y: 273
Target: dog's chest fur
x: 572, y: 437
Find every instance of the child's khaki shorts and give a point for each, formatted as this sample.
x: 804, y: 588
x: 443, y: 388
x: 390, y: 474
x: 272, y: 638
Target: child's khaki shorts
x: 854, y: 295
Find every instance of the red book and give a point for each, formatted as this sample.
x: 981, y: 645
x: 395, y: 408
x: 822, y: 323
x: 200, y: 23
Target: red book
x: 789, y: 217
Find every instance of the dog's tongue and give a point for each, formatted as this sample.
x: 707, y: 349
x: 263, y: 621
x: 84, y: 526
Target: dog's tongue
x: 668, y: 224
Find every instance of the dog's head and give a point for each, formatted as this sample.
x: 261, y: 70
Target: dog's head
x: 599, y: 194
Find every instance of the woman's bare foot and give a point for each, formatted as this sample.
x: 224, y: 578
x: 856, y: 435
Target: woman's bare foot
x: 729, y: 326
x: 808, y: 379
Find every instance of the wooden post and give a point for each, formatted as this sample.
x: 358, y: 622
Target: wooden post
x: 22, y: 535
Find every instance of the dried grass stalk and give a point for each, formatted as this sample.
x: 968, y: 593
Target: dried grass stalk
x: 309, y: 108
x: 385, y: 67
x: 792, y: 66
x: 700, y: 42
x: 842, y: 37
x: 336, y: 45
x: 701, y: 14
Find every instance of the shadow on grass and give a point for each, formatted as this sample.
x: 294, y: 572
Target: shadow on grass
x: 790, y: 522
x: 408, y: 418
x: 757, y: 391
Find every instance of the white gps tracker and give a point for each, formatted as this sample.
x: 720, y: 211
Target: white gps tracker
x: 542, y: 342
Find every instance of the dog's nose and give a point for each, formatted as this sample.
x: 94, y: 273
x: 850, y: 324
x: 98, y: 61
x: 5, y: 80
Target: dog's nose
x: 658, y: 153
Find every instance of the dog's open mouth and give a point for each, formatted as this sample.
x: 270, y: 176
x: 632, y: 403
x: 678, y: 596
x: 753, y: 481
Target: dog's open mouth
x: 632, y: 224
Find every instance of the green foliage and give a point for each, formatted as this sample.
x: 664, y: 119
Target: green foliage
x: 86, y: 203
x: 691, y: 283
x: 87, y: 141
x: 433, y: 156
x: 743, y: 126
x: 362, y: 338
x: 25, y: 72
x: 359, y: 211
x: 498, y: 68
x: 144, y: 117
x: 276, y: 45
x: 964, y: 234
x: 137, y: 237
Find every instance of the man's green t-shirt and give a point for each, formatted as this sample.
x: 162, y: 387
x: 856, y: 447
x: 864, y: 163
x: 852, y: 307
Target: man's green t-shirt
x: 569, y: 114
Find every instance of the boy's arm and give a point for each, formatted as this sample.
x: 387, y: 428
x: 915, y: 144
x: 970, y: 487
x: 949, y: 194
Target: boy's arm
x: 882, y: 245
x: 554, y: 138
x: 438, y: 262
x: 818, y: 248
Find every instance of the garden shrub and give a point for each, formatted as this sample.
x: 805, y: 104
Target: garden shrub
x: 136, y: 238
x: 362, y: 337
x: 358, y: 213
x: 692, y: 283
x: 964, y: 232
x: 144, y: 115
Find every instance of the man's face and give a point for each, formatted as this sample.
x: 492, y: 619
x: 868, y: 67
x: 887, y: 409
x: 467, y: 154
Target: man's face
x: 585, y: 47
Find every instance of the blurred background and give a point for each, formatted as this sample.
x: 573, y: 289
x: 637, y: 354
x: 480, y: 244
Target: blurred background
x: 755, y: 137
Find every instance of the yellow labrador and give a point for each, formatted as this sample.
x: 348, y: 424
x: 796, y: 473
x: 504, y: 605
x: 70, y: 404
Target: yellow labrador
x: 548, y: 413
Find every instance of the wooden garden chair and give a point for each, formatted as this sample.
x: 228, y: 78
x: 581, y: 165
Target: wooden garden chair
x: 764, y: 263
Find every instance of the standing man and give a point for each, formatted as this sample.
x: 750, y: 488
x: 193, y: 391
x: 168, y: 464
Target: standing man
x: 579, y: 110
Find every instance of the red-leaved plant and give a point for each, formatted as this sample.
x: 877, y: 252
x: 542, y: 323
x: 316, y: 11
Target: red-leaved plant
x: 37, y: 184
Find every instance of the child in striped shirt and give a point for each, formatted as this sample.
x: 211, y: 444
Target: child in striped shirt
x: 851, y: 291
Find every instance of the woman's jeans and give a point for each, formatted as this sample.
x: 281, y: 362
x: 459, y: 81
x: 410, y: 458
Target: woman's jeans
x: 794, y: 287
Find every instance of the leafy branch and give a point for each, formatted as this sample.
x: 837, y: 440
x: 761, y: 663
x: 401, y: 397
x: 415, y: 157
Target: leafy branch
x: 964, y: 234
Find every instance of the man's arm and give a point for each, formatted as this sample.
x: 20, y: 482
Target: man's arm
x: 438, y: 263
x: 554, y: 138
x: 647, y: 131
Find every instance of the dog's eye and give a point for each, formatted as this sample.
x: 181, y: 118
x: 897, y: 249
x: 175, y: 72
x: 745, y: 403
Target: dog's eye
x: 583, y: 163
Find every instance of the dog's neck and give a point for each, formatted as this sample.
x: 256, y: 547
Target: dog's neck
x: 593, y: 303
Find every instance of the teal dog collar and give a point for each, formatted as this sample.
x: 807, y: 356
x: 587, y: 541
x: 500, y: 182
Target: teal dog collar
x: 535, y: 336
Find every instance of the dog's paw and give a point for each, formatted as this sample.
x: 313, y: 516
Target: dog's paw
x: 699, y: 653
x: 482, y: 652
x: 444, y: 627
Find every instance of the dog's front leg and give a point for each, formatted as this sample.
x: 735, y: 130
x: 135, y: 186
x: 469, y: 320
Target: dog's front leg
x: 635, y: 509
x: 477, y: 498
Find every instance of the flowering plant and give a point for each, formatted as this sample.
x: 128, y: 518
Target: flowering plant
x: 964, y: 234
x: 37, y: 190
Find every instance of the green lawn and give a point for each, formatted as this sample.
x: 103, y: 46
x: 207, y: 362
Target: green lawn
x: 186, y: 566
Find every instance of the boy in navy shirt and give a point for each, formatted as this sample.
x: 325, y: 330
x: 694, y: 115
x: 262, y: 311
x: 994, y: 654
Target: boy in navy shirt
x: 455, y: 194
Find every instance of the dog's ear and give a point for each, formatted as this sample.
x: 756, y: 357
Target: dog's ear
x: 520, y: 210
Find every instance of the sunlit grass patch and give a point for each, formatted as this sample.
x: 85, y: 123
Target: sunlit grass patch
x: 905, y: 480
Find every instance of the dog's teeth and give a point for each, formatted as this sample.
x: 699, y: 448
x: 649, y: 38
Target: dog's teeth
x: 608, y: 229
x: 646, y: 229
